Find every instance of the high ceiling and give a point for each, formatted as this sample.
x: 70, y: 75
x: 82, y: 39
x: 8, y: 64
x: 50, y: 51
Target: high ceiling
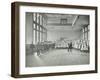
x: 65, y: 21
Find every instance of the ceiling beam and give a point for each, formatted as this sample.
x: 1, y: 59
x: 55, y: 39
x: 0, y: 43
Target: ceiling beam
x: 75, y: 19
x: 59, y: 24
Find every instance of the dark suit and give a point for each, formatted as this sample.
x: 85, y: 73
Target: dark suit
x: 70, y: 47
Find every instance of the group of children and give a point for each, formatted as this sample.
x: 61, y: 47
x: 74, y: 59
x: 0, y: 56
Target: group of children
x: 82, y: 45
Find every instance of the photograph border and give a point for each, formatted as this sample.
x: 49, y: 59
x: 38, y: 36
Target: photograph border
x: 15, y: 32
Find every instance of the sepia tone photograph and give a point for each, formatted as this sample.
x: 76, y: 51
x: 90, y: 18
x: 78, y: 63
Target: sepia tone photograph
x: 56, y: 39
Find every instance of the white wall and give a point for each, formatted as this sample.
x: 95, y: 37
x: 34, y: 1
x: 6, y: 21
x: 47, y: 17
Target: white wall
x: 56, y: 35
x: 5, y: 40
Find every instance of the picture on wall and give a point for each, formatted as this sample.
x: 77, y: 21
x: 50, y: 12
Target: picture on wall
x: 52, y: 39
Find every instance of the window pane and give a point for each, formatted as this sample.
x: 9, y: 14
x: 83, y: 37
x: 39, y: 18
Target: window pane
x: 43, y: 21
x: 40, y: 36
x: 83, y: 35
x: 86, y: 35
x: 34, y: 16
x: 33, y: 36
x: 37, y: 37
x: 37, y: 18
x: 40, y: 19
x: 43, y: 36
x: 34, y: 26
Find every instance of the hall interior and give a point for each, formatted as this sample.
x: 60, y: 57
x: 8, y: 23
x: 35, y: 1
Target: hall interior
x: 47, y: 38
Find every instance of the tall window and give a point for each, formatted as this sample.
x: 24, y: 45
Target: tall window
x: 39, y: 32
x: 86, y: 32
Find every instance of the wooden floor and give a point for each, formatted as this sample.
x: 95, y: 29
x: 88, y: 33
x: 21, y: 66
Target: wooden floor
x: 57, y: 57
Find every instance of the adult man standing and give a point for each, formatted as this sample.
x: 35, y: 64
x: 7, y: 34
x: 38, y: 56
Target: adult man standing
x: 70, y: 47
